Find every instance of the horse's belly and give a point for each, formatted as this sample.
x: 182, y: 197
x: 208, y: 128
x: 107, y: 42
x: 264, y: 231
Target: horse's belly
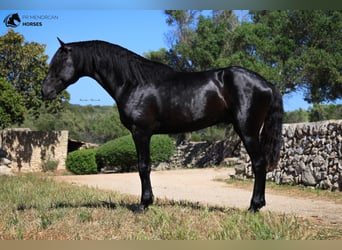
x: 180, y: 123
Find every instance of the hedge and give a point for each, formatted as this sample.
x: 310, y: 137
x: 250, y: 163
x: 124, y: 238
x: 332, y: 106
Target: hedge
x: 82, y: 162
x: 121, y: 152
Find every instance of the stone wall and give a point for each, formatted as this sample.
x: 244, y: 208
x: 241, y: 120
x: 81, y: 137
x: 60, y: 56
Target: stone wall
x: 27, y: 149
x: 203, y: 154
x: 311, y: 155
x: 197, y: 154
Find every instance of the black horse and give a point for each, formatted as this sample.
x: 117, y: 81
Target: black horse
x: 152, y: 98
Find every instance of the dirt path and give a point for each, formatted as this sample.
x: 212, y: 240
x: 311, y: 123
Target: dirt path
x: 198, y: 185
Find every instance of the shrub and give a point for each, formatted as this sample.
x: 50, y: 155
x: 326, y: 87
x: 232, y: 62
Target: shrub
x: 50, y: 165
x: 82, y: 162
x: 162, y: 148
x: 121, y: 152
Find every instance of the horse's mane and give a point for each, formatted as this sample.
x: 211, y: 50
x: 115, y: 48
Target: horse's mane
x: 130, y: 66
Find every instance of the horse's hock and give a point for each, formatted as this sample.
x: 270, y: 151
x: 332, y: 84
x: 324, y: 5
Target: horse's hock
x: 27, y: 149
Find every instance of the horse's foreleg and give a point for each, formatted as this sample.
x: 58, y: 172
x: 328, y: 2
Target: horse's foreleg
x: 142, y: 144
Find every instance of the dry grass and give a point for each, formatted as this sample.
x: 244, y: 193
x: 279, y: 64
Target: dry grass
x: 288, y: 190
x: 37, y: 207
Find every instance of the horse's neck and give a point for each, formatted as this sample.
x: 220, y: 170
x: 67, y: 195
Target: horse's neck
x: 113, y: 78
x: 108, y: 77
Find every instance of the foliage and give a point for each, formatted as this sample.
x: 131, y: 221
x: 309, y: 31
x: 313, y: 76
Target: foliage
x: 49, y: 165
x: 296, y: 116
x: 162, y: 148
x: 35, y: 207
x: 11, y: 105
x: 96, y: 124
x: 325, y: 112
x: 294, y: 48
x: 24, y: 65
x: 213, y: 133
x: 158, y: 56
x: 291, y: 48
x: 315, y: 113
x: 82, y: 162
x: 199, y: 42
x: 121, y: 152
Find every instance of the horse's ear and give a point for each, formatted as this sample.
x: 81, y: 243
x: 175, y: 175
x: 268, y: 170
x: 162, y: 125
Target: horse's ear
x: 63, y: 45
x: 61, y: 42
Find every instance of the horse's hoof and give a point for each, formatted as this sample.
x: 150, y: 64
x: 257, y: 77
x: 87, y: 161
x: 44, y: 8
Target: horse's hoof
x: 255, y: 206
x: 141, y: 209
x: 253, y: 210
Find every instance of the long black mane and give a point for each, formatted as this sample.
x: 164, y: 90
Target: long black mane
x: 132, y: 67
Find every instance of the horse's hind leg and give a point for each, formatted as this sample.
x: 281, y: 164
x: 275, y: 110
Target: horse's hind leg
x: 250, y: 138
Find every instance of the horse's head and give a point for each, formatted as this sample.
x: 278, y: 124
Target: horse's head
x: 61, y: 73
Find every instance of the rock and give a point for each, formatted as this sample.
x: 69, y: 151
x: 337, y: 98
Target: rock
x: 299, y: 150
x: 287, y: 179
x: 5, y: 161
x: 269, y: 176
x: 161, y: 166
x: 299, y: 166
x: 240, y: 169
x: 5, y: 170
x: 308, y: 178
x: 277, y: 177
x: 325, y: 184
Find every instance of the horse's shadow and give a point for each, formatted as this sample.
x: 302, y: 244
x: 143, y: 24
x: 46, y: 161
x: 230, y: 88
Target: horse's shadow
x: 133, y: 207
x: 100, y: 204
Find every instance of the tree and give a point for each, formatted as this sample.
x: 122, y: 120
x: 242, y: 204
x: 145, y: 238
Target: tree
x: 296, y: 116
x: 294, y: 49
x: 200, y: 42
x: 158, y: 56
x: 96, y: 124
x: 11, y: 105
x: 325, y: 112
x: 24, y: 66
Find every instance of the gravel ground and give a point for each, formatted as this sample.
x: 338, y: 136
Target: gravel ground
x: 199, y: 185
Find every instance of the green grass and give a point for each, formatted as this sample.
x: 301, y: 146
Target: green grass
x: 37, y: 207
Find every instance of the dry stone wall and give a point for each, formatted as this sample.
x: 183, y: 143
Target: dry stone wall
x: 27, y: 149
x: 311, y: 155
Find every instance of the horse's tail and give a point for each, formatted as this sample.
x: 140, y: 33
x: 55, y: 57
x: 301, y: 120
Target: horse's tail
x: 271, y: 135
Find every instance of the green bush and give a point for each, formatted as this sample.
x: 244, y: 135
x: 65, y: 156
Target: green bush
x: 82, y: 162
x: 121, y: 152
x: 162, y: 148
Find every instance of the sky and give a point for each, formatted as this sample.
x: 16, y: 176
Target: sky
x: 140, y: 31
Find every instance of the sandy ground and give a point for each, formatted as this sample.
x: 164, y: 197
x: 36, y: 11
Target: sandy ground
x: 199, y: 185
